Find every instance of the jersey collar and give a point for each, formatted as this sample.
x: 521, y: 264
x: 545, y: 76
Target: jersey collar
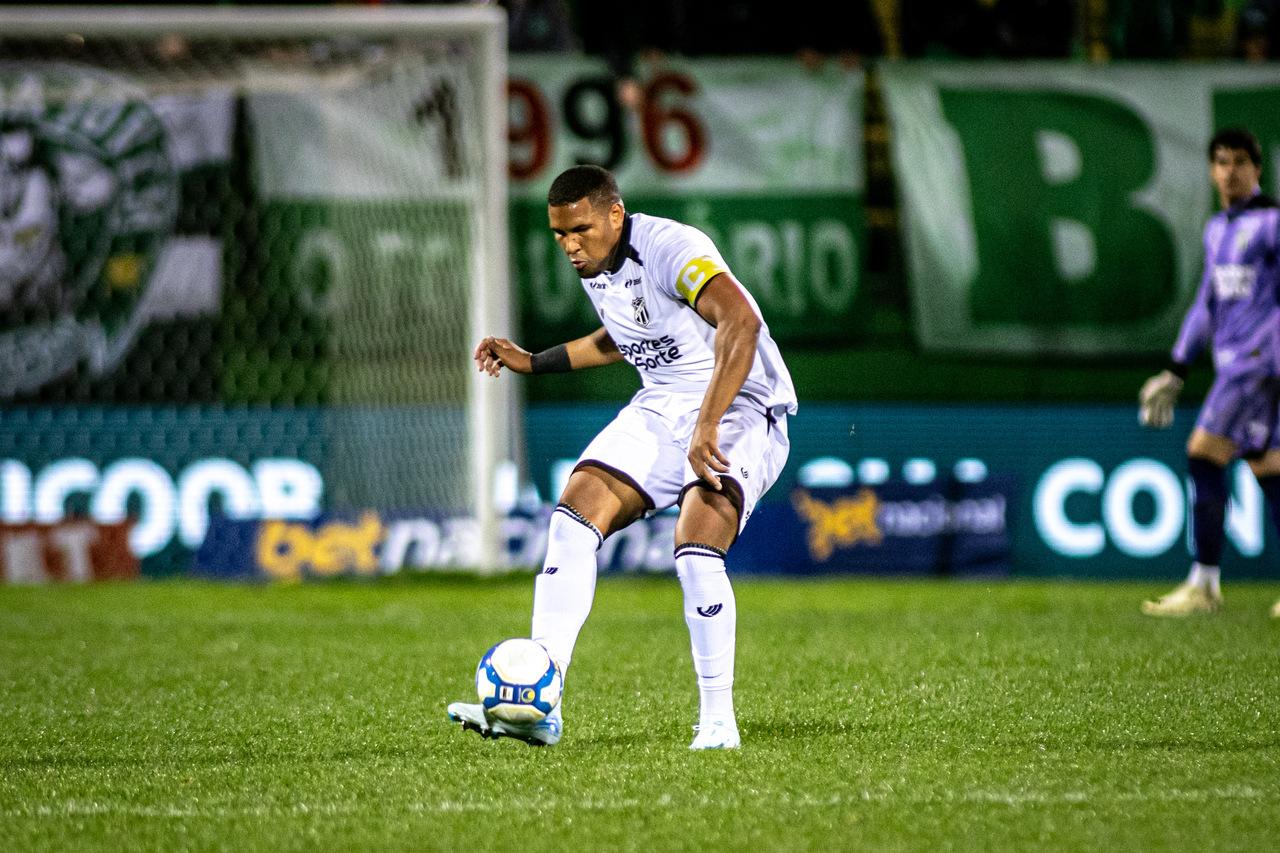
x: 623, y: 249
x: 1258, y: 201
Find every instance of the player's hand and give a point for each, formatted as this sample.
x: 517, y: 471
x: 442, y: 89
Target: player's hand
x: 493, y: 354
x: 705, y: 455
x: 1156, y: 399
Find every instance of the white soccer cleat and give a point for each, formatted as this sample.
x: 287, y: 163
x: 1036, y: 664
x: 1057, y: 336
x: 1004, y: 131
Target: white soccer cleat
x: 545, y: 732
x: 1185, y: 600
x: 1275, y: 610
x: 717, y: 734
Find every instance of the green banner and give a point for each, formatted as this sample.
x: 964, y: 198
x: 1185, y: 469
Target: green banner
x: 357, y: 288
x: 763, y: 155
x: 1057, y: 209
x: 102, y: 236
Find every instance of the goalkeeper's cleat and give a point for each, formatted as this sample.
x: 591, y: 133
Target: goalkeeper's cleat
x: 716, y: 734
x: 1185, y: 600
x: 545, y: 732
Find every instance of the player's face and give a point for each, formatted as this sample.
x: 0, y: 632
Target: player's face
x: 587, y: 234
x: 1233, y: 174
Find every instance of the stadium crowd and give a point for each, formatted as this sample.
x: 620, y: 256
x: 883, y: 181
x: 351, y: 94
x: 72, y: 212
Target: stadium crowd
x: 1096, y: 30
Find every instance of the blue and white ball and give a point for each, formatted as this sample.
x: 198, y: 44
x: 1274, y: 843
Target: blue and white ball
x: 518, y: 682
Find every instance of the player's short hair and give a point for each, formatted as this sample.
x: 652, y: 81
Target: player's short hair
x: 579, y: 182
x: 1239, y: 139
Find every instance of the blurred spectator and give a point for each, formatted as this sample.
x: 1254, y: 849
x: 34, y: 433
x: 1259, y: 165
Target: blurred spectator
x: 1034, y: 29
x: 947, y: 28
x: 806, y: 29
x: 1149, y: 29
x: 1211, y: 31
x: 1258, y: 35
x: 972, y: 29
x: 622, y: 33
x: 539, y: 26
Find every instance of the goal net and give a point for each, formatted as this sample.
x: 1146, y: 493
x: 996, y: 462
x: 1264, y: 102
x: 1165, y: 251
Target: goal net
x: 240, y: 208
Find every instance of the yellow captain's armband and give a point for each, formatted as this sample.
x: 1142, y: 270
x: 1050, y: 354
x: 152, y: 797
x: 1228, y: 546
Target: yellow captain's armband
x: 694, y: 276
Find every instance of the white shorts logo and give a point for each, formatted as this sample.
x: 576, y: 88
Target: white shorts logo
x: 1257, y: 431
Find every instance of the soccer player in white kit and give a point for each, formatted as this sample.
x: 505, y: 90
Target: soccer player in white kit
x: 707, y: 431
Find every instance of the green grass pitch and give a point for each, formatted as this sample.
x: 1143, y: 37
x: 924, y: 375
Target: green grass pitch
x: 878, y: 715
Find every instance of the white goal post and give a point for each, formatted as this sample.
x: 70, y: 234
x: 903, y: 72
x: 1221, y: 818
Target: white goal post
x: 434, y: 200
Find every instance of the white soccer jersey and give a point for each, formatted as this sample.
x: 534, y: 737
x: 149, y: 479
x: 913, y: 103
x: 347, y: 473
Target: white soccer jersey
x: 646, y: 302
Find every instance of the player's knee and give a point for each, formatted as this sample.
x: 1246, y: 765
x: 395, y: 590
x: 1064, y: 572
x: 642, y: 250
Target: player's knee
x: 708, y: 516
x: 1265, y: 466
x: 1205, y: 445
x: 604, y: 498
x: 586, y: 487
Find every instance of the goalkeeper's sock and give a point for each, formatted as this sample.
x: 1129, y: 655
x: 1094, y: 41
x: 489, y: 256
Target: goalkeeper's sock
x: 563, y: 591
x: 1206, y: 577
x: 712, y: 616
x: 1271, y: 488
x: 1209, y: 512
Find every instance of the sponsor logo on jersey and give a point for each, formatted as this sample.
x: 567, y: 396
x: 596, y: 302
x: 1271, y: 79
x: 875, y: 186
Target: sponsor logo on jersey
x: 1233, y: 281
x: 640, y: 311
x: 632, y: 282
x: 87, y: 198
x: 694, y: 276
x: 550, y: 570
x: 651, y: 353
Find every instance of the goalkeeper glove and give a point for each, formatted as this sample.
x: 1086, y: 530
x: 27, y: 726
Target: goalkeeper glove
x: 1156, y: 399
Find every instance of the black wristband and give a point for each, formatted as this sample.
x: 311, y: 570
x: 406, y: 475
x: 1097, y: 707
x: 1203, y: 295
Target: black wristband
x: 1177, y: 368
x: 554, y: 360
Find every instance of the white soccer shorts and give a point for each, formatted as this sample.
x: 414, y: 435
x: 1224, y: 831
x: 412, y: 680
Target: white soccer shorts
x: 648, y: 444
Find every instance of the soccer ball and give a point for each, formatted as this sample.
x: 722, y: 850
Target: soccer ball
x: 518, y: 682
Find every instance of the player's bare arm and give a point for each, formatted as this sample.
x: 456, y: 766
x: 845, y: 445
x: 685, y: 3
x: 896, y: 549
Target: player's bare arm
x: 594, y: 350
x: 722, y: 304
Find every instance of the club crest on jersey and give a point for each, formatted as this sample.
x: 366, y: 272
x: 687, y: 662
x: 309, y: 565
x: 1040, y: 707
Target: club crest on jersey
x: 640, y: 312
x: 1248, y: 228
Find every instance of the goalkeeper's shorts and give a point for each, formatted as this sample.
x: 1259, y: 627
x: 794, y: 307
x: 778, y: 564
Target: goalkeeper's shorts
x: 647, y: 445
x: 1246, y: 409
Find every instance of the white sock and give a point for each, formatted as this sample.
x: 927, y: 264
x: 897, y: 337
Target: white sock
x: 712, y: 616
x: 563, y: 591
x: 1205, y: 577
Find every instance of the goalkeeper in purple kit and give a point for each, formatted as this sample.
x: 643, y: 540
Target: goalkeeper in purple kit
x: 1237, y: 313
